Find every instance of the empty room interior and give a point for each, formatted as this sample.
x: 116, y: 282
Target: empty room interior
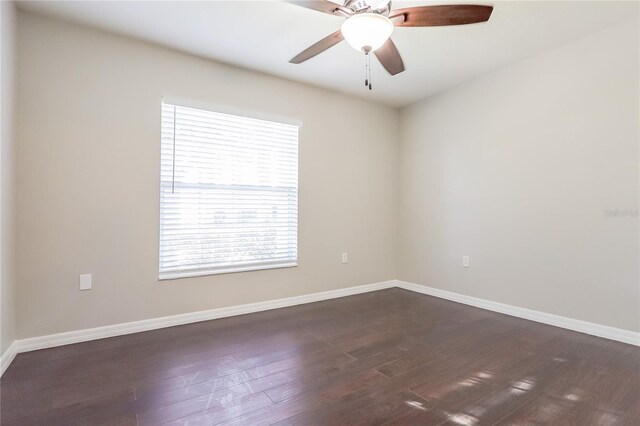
x: 328, y: 212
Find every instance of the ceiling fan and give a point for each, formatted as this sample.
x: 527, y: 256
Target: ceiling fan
x: 369, y: 25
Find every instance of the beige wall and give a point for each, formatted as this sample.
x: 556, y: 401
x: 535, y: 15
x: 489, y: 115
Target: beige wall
x: 7, y: 171
x: 88, y: 180
x: 517, y: 170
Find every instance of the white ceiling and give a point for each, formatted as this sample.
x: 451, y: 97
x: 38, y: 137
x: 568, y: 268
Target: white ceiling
x: 264, y: 35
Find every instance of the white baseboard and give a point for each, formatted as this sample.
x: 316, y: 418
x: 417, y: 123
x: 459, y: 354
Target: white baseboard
x: 8, y: 356
x: 607, y: 332
x: 52, y: 340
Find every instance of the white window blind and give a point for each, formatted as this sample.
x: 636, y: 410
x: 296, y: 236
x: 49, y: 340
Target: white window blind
x: 229, y: 193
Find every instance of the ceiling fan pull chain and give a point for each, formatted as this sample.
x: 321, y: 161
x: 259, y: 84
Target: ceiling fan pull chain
x: 369, y: 69
x: 366, y: 69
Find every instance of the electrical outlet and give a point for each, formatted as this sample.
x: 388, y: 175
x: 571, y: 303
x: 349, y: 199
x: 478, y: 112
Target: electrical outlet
x: 85, y: 282
x: 345, y: 258
x: 465, y: 261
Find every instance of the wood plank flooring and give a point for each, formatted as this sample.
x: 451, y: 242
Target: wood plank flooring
x: 390, y: 357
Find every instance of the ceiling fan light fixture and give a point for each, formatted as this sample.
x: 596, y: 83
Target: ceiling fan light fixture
x: 367, y: 31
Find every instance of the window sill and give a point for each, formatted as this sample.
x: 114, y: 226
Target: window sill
x: 245, y: 268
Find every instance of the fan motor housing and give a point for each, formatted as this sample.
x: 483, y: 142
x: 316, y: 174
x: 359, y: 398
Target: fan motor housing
x: 380, y: 6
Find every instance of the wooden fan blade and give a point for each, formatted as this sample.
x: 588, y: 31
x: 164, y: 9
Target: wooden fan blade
x: 436, y: 16
x: 319, y: 5
x: 319, y: 47
x: 389, y: 57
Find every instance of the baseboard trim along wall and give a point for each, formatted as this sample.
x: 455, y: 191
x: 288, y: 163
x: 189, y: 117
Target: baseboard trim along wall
x: 607, y: 332
x: 59, y: 339
x: 8, y: 356
x: 53, y: 340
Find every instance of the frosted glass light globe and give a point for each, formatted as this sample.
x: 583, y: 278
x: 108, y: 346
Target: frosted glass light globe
x: 367, y: 30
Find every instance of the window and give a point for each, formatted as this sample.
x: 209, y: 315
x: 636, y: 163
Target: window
x: 228, y: 193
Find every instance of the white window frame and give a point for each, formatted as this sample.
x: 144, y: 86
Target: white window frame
x: 193, y: 272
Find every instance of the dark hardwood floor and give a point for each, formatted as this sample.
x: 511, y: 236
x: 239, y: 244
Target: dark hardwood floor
x: 390, y: 357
